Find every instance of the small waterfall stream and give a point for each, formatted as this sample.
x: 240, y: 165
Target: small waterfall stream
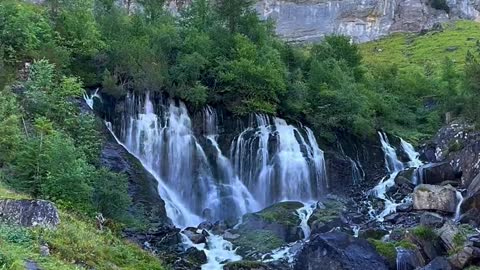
x: 394, y: 166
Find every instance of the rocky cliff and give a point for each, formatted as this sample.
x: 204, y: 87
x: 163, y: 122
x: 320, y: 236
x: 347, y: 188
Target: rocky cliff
x: 363, y: 20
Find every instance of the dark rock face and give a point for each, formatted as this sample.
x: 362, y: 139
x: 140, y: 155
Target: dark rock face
x: 436, y: 173
x: 142, y: 186
x: 439, y: 263
x: 29, y: 213
x: 246, y: 265
x: 459, y: 145
x: 332, y: 251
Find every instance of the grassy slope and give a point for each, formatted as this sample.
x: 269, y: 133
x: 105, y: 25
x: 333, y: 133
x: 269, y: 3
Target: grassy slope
x: 76, y: 244
x: 406, y: 50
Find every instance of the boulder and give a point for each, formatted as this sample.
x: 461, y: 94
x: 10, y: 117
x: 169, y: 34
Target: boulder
x: 462, y: 258
x: 439, y: 263
x: 431, y: 220
x: 447, y: 235
x: 29, y: 213
x: 263, y: 231
x: 437, y: 198
x: 197, y: 236
x: 471, y: 217
x: 436, y: 173
x: 195, y: 256
x: 327, y: 216
x: 336, y: 250
x: 474, y: 186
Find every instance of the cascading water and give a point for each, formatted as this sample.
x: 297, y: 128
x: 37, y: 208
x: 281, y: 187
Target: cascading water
x: 407, y: 259
x: 413, y: 155
x: 277, y: 163
x: 394, y: 166
x: 304, y: 214
x: 458, y: 209
x: 273, y: 160
x: 90, y: 99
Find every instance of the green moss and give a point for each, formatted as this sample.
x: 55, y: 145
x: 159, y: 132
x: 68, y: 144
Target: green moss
x: 332, y: 210
x: 259, y: 240
x: 405, y: 244
x: 282, y: 213
x: 424, y: 233
x: 386, y: 249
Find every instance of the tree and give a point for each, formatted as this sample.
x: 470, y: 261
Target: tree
x: 110, y: 195
x: 231, y: 11
x: 152, y: 8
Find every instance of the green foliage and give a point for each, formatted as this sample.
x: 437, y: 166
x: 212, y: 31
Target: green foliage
x: 386, y: 249
x: 424, y: 233
x: 110, y: 196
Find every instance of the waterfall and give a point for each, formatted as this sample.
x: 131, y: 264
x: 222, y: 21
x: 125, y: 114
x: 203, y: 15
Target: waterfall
x: 278, y: 161
x: 413, y: 155
x: 304, y: 214
x: 270, y: 160
x: 458, y: 209
x: 90, y: 99
x: 393, y: 166
x: 391, y: 160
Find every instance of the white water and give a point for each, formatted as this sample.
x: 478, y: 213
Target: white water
x: 394, y: 166
x: 90, y: 99
x: 304, y: 214
x: 278, y: 161
x: 458, y: 210
x: 407, y: 259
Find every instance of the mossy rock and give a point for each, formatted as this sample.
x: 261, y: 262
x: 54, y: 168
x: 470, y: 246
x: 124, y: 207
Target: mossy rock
x: 281, y: 213
x: 245, y: 265
x: 279, y: 220
x: 257, y: 241
x: 323, y: 219
x: 386, y: 249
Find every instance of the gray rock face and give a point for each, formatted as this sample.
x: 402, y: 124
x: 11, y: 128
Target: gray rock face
x: 29, y: 213
x: 437, y: 198
x: 363, y: 20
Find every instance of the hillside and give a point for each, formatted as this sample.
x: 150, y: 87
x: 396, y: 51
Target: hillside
x: 75, y: 244
x: 406, y: 49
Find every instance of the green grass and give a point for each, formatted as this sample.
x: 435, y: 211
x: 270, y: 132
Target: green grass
x: 424, y: 233
x: 75, y: 244
x: 406, y: 49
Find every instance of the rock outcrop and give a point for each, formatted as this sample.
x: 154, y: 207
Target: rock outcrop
x: 29, y: 213
x: 337, y: 250
x: 311, y: 20
x: 437, y: 198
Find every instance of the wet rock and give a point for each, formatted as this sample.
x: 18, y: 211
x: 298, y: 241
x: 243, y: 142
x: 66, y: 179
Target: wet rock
x: 142, y: 186
x: 471, y: 217
x: 405, y: 207
x: 29, y: 213
x: 332, y: 251
x: 230, y: 236
x: 436, y: 173
x: 462, y: 258
x: 373, y: 233
x: 439, y: 263
x: 197, y: 236
x: 246, y: 265
x: 432, y: 220
x: 327, y: 216
x: 437, y: 198
x: 447, y: 234
x: 205, y: 225
x: 195, y: 256
x: 268, y: 229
